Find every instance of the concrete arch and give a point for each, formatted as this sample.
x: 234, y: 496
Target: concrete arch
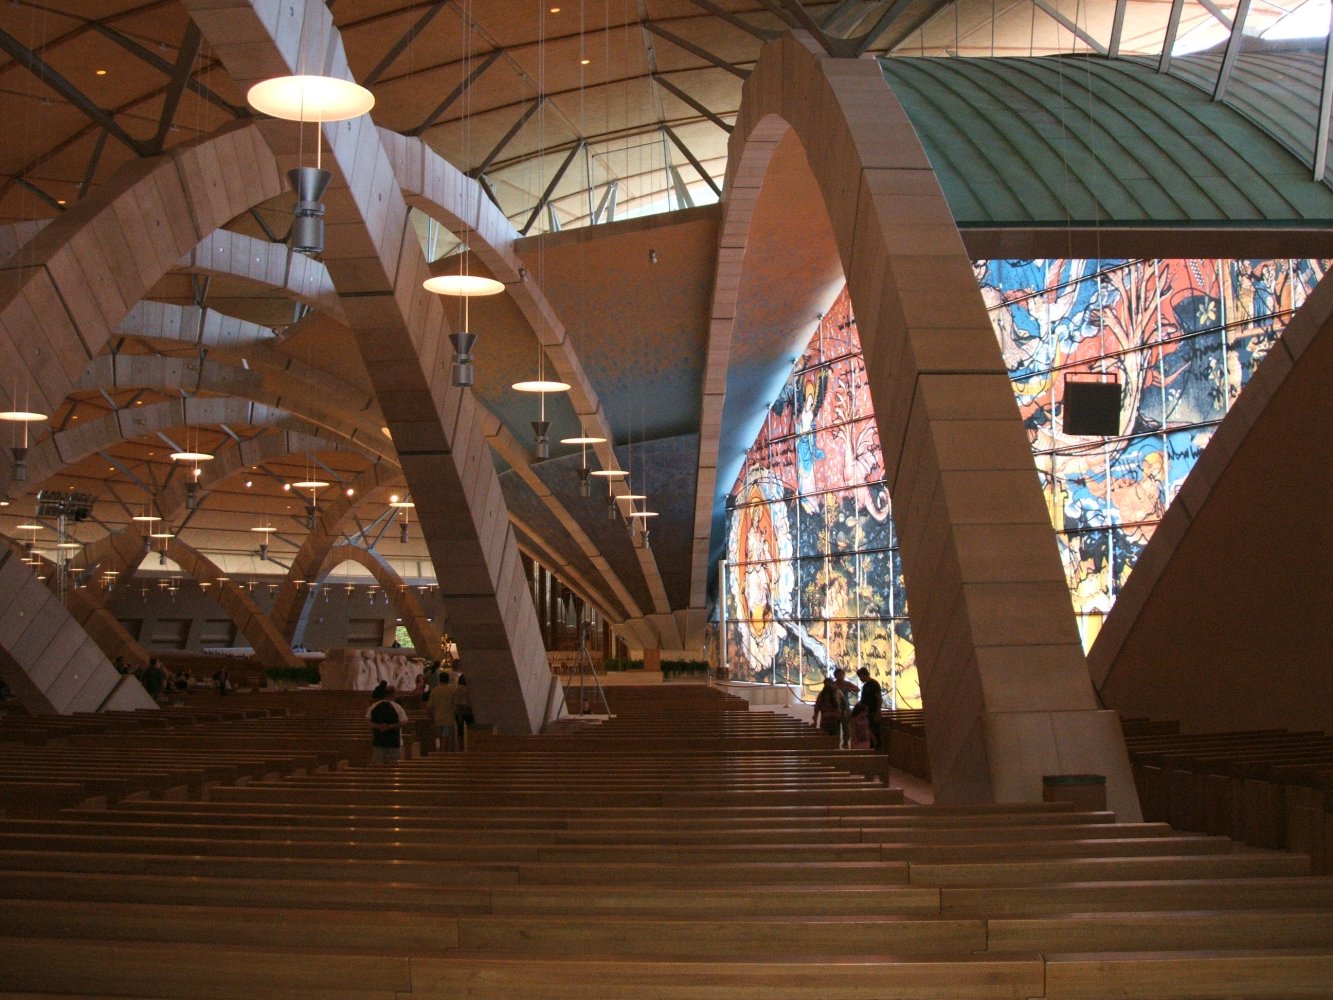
x: 92, y: 264
x: 189, y: 324
x: 1243, y: 533
x: 174, y: 323
x: 271, y: 266
x: 1005, y: 683
x: 46, y: 657
x: 425, y: 636
x: 378, y: 268
x: 123, y: 550
x: 279, y: 390
x: 105, y: 629
x: 433, y: 185
x: 289, y: 600
x: 269, y: 646
x: 66, y: 447
x: 89, y: 610
x: 193, y: 325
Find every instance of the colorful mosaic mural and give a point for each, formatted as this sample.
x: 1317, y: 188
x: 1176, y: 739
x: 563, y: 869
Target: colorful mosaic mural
x: 1182, y: 338
x: 813, y: 577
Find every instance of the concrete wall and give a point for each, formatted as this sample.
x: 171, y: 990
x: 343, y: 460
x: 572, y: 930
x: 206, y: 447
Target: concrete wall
x: 338, y: 620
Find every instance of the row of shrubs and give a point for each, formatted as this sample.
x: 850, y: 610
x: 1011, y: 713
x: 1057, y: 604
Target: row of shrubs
x: 308, y: 674
x: 669, y: 667
x: 683, y: 667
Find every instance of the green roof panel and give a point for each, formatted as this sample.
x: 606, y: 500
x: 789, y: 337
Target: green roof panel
x: 1083, y: 140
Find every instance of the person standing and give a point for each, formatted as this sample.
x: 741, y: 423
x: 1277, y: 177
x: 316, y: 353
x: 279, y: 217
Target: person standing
x: 387, y: 719
x: 462, y: 702
x: 441, y: 705
x: 830, y: 709
x: 849, y: 691
x: 871, y: 704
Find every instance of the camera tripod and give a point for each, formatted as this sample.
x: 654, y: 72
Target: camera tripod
x: 587, y: 669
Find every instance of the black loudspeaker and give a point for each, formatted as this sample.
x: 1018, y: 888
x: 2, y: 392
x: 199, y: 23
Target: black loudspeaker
x: 1091, y: 409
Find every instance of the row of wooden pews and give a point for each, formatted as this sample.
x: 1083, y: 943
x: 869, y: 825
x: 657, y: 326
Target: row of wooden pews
x: 904, y: 734
x: 177, y: 752
x: 741, y: 860
x: 1269, y: 788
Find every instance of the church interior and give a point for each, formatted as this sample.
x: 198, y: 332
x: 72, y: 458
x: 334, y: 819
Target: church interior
x: 597, y: 382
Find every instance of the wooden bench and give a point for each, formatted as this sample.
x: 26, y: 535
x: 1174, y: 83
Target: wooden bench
x: 739, y: 862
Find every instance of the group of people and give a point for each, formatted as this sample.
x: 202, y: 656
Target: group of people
x: 156, y: 680
x: 448, y: 699
x: 853, y: 726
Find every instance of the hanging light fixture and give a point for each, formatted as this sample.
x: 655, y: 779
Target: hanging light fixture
x: 639, y: 525
x: 464, y: 286
x: 305, y: 98
x: 314, y: 486
x: 541, y: 385
x: 405, y: 505
x: 194, y: 457
x: 585, y: 484
x: 163, y: 534
x: 20, y: 452
x: 30, y: 546
x: 312, y: 508
x: 610, y: 475
x: 265, y: 531
x: 148, y: 519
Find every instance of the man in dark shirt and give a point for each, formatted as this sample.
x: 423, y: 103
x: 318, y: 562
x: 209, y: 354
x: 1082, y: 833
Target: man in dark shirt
x: 871, y: 703
x: 387, y: 719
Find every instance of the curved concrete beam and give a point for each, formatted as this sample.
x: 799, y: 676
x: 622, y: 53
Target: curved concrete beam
x: 123, y: 550
x: 280, y: 390
x: 89, y: 610
x: 436, y: 187
x: 14, y: 236
x: 425, y: 636
x: 269, y: 646
x: 195, y: 326
x: 1005, y: 684
x: 46, y: 658
x: 174, y: 323
x: 535, y: 547
x: 64, y: 448
x: 290, y: 598
x: 376, y: 263
x: 518, y: 456
x: 271, y: 266
x: 92, y: 264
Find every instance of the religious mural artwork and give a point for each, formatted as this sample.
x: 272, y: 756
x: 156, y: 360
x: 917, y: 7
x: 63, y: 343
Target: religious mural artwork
x: 1181, y: 337
x: 813, y: 578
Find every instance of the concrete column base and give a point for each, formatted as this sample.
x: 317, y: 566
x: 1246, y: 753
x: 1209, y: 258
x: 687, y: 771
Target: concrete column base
x: 1021, y: 747
x: 127, y: 696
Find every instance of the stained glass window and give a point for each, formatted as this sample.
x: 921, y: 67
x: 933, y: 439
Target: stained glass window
x: 1182, y: 338
x: 813, y: 576
x: 813, y: 580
